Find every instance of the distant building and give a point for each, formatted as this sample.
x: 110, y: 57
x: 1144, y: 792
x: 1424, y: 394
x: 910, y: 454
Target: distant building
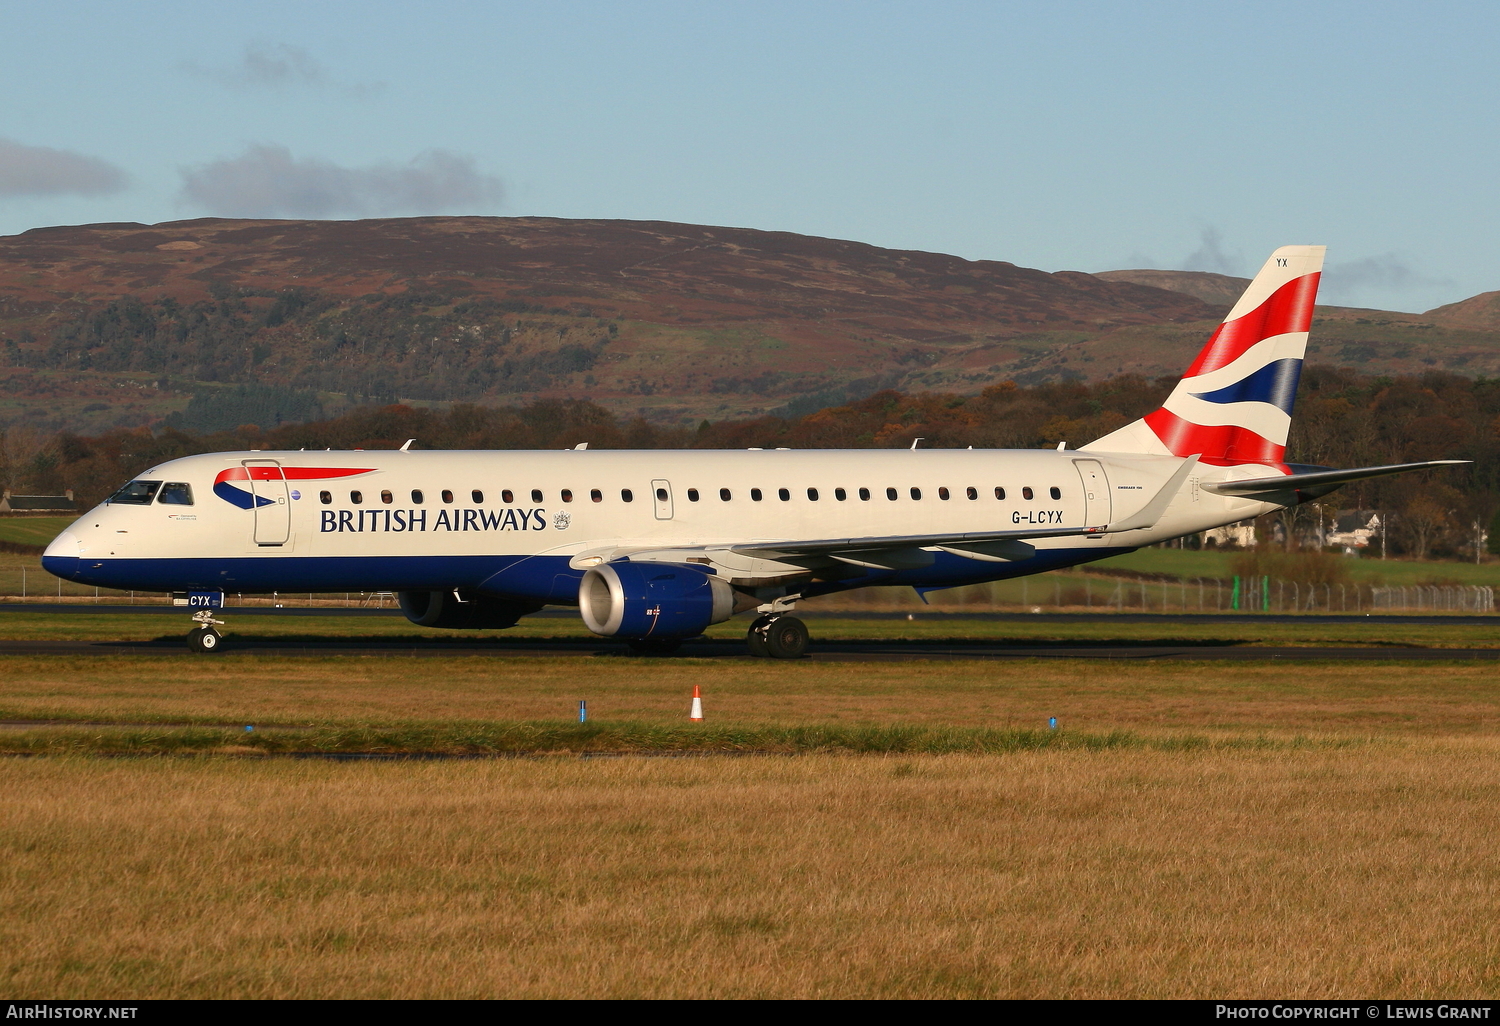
x: 38, y: 503
x: 1354, y: 529
x: 1235, y: 536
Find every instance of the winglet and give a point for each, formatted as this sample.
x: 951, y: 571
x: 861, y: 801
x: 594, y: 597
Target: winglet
x: 1149, y: 514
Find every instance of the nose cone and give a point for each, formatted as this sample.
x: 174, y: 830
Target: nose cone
x: 61, y: 557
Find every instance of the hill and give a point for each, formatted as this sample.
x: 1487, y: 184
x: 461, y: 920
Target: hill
x: 1481, y: 312
x: 1217, y: 290
x: 215, y: 322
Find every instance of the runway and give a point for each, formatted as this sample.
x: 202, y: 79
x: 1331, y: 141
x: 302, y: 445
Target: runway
x: 825, y: 651
x: 811, y: 616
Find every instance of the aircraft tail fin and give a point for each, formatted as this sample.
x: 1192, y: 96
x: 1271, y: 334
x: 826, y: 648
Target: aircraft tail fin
x: 1234, y: 404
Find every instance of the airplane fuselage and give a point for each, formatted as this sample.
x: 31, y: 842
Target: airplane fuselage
x: 527, y: 525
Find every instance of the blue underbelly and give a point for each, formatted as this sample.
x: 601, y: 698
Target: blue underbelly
x: 540, y: 578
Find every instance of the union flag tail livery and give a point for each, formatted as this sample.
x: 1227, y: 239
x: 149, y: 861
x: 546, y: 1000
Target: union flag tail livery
x: 652, y: 547
x: 1234, y: 404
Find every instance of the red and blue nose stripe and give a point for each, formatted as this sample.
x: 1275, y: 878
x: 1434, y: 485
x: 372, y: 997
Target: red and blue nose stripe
x: 248, y: 500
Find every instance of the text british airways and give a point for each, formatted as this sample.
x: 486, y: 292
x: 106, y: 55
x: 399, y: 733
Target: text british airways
x: 396, y: 520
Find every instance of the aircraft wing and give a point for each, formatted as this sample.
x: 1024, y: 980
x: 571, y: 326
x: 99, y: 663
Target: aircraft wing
x: 1321, y: 482
x: 838, y: 548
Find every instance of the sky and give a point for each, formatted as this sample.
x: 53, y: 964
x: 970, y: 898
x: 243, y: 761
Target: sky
x: 1065, y: 136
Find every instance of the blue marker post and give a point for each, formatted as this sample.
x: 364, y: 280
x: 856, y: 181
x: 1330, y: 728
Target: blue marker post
x: 1051, y: 722
x: 249, y: 729
x: 583, y: 711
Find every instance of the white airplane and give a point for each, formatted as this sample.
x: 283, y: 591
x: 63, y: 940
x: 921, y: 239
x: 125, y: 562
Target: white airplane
x: 654, y: 546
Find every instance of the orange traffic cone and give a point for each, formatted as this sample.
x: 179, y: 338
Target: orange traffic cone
x: 696, y: 715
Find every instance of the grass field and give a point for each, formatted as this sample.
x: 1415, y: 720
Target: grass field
x: 1278, y: 829
x: 1329, y: 699
x: 1033, y: 875
x: 31, y: 530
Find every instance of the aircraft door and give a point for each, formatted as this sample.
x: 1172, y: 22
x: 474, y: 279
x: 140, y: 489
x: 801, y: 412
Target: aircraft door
x: 1095, y: 492
x: 661, y: 494
x: 273, y: 507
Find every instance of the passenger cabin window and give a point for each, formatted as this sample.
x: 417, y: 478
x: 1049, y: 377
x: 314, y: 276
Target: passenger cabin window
x: 447, y: 495
x: 724, y: 495
x: 661, y: 495
x: 812, y: 494
x: 567, y: 495
x: 325, y: 498
x: 692, y: 495
x: 356, y: 497
x: 755, y: 495
x: 890, y: 493
x: 972, y: 492
x: 596, y: 495
x: 536, y: 495
x: 999, y: 492
x: 477, y: 496
x: 840, y: 494
x: 626, y: 495
x: 136, y: 493
x: 176, y: 493
x: 1056, y: 492
x: 416, y: 496
x: 783, y: 494
x: 916, y: 493
x: 943, y: 493
x: 864, y: 495
x: 386, y: 497
x: 507, y: 496
x: 1025, y: 493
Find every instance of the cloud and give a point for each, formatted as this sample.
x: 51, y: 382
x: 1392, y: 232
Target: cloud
x: 266, y: 181
x: 275, y: 66
x: 1377, y: 275
x: 43, y: 171
x: 1211, y: 256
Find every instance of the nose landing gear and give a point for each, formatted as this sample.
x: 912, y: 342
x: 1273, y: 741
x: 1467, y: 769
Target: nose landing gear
x: 203, y: 638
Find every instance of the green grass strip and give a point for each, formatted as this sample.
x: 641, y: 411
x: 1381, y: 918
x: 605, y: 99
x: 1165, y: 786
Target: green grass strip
x: 607, y: 738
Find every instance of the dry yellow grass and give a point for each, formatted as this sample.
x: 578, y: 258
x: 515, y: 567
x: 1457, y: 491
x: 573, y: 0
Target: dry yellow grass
x: 1319, y: 698
x: 1361, y: 867
x: 1368, y: 872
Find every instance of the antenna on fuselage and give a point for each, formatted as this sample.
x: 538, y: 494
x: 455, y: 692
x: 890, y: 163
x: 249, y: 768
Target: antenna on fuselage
x: 407, y: 446
x: 580, y: 447
x: 914, y: 441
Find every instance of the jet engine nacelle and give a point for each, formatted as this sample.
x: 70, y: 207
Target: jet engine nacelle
x: 652, y: 600
x: 475, y: 612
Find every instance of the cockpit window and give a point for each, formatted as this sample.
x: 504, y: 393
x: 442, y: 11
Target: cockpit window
x: 136, y: 493
x: 176, y: 493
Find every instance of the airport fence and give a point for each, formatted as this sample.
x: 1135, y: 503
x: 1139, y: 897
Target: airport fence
x: 30, y: 583
x: 1083, y: 592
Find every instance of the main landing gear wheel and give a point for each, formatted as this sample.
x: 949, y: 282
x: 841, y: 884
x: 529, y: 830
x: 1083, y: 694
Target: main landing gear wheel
x: 204, y: 639
x: 755, y: 637
x: 780, y: 637
x: 656, y: 646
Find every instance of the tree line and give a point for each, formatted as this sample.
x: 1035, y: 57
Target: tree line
x: 1343, y: 419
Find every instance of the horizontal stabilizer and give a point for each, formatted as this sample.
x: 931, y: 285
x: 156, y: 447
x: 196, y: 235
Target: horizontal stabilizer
x: 1319, y: 481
